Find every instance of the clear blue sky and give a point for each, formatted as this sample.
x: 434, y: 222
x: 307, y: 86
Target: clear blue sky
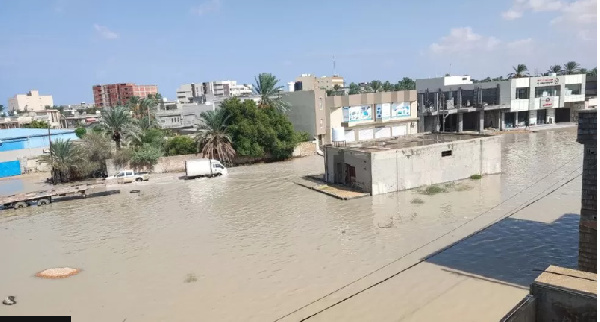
x: 63, y: 47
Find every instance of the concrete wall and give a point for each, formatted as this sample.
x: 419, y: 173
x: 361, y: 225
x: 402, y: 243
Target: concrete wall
x: 335, y: 169
x: 586, y: 135
x: 301, y: 111
x: 409, y: 168
x: 558, y: 294
x: 305, y: 149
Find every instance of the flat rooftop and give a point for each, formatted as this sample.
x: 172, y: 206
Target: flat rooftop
x: 409, y: 141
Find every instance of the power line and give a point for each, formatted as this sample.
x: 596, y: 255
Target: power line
x: 435, y: 253
x: 426, y: 244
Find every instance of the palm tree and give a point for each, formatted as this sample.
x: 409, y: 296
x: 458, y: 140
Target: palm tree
x: 583, y: 71
x: 592, y: 72
x: 134, y: 104
x: 119, y: 123
x: 266, y: 87
x: 519, y: 71
x: 405, y: 84
x: 64, y: 158
x: 213, y: 140
x: 375, y: 86
x: 555, y: 69
x: 571, y: 67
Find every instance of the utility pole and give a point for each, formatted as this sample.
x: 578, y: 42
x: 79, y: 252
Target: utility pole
x: 50, y: 151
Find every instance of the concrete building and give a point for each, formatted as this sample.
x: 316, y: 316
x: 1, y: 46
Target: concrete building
x: 198, y: 93
x: 308, y: 82
x: 111, y: 95
x: 591, y: 91
x: 352, y: 118
x: 394, y: 164
x: 588, y: 229
x: 32, y: 101
x: 455, y: 103
x: 184, y: 117
x: 190, y: 93
x: 50, y: 116
x: 16, y: 145
x: 368, y: 116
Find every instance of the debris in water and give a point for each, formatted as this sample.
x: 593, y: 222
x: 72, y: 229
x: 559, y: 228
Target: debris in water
x: 10, y: 300
x: 190, y: 278
x: 61, y: 272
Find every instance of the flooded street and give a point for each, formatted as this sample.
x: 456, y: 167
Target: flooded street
x: 254, y: 246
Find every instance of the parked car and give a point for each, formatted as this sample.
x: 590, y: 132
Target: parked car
x: 204, y: 168
x: 127, y: 176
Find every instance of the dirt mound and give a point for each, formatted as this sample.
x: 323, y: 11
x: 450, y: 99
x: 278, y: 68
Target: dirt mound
x: 60, y: 272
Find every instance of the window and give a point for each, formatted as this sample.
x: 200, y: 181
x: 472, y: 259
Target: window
x: 446, y: 153
x: 321, y: 123
x: 572, y: 89
x: 547, y: 91
x: 522, y: 93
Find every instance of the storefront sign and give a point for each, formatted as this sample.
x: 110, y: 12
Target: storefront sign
x: 357, y: 113
x: 382, y: 111
x: 547, y: 101
x: 547, y: 81
x: 400, y: 110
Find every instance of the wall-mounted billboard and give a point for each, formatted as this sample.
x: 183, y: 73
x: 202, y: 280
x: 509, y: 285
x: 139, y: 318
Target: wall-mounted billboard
x: 358, y: 113
x: 400, y: 110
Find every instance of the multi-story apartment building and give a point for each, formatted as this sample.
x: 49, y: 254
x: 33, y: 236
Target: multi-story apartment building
x: 309, y: 82
x: 353, y: 118
x: 188, y: 93
x: 455, y: 103
x: 118, y: 94
x: 30, y: 102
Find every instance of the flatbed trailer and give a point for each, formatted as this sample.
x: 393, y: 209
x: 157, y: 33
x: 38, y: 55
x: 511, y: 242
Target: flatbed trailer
x: 44, y: 197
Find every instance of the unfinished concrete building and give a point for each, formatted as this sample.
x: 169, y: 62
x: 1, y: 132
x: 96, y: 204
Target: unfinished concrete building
x: 402, y: 163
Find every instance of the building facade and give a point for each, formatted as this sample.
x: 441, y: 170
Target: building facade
x: 30, y: 102
x: 369, y: 116
x: 111, y: 95
x: 455, y: 103
x: 352, y: 118
x: 309, y: 82
x: 198, y: 93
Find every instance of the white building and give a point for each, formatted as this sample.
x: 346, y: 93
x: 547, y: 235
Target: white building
x: 196, y: 93
x: 32, y: 101
x: 455, y: 103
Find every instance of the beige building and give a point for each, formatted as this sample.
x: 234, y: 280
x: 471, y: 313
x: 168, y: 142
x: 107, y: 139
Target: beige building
x: 353, y: 118
x: 30, y: 102
x: 308, y: 82
x: 370, y: 116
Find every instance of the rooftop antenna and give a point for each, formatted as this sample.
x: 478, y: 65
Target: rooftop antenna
x: 334, y: 66
x: 450, y: 72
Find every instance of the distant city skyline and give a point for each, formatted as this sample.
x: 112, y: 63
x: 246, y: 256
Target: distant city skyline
x: 64, y: 47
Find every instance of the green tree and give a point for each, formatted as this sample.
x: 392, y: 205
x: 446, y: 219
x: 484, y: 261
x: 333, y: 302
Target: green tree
x: 213, y: 141
x: 153, y: 136
x: 259, y: 132
x: 405, y: 84
x: 353, y: 89
x: 180, y: 145
x: 375, y: 86
x: 119, y: 123
x: 571, y: 67
x: 266, y: 86
x: 519, y: 71
x: 388, y: 87
x: 555, y: 69
x: 64, y: 158
x: 134, y: 104
x: 96, y: 149
x: 35, y: 124
x: 146, y: 156
x: 80, y: 132
x: 592, y: 72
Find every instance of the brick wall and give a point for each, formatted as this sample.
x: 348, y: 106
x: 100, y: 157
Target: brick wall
x: 586, y: 135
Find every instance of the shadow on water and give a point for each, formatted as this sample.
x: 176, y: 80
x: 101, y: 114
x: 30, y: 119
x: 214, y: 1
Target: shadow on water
x: 513, y: 250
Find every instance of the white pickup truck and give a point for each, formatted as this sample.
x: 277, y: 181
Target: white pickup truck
x: 127, y: 176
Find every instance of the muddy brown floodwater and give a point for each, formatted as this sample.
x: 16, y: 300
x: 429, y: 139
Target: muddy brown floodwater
x: 254, y: 246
